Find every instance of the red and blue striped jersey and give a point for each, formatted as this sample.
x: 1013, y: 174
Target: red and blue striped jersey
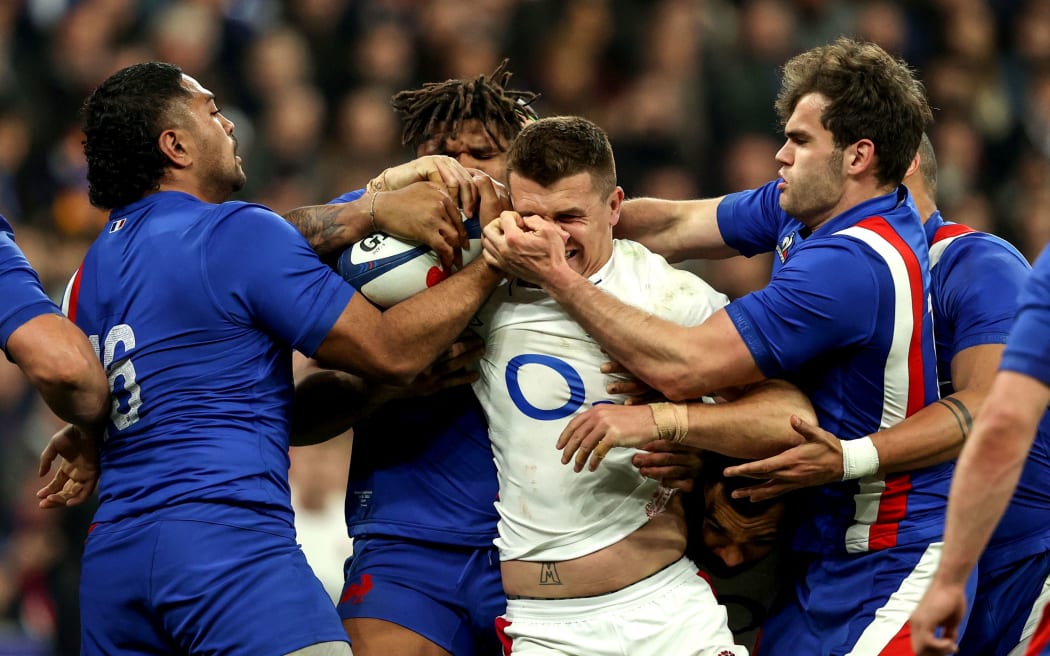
x: 977, y: 279
x: 846, y: 318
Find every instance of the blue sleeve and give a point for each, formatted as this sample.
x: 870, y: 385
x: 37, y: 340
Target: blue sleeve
x: 348, y: 197
x: 750, y: 221
x: 804, y: 313
x: 1028, y: 349
x: 262, y: 268
x: 22, y: 296
x: 978, y: 281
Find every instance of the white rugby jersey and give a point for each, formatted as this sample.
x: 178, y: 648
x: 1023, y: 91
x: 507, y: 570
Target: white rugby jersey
x: 539, y: 370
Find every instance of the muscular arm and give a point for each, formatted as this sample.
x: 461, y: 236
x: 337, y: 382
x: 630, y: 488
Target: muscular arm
x: 419, y: 201
x: 933, y: 435
x: 395, y: 345
x: 60, y: 363
x: 988, y: 470
x: 936, y: 433
x: 680, y: 362
x: 678, y: 230
x: 329, y: 229
x: 755, y: 423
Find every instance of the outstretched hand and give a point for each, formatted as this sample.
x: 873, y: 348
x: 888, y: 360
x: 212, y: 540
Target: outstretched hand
x: 78, y: 472
x: 591, y: 434
x: 816, y: 461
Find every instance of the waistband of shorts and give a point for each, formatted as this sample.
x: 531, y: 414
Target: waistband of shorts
x: 658, y: 583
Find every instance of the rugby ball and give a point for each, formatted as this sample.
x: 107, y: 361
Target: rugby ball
x: 387, y: 270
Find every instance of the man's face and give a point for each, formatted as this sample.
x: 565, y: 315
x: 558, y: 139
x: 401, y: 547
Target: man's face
x: 575, y: 206
x: 472, y: 147
x: 812, y: 168
x: 735, y: 538
x: 215, y: 148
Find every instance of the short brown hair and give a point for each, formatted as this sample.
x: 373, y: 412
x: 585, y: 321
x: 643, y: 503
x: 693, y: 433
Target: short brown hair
x: 872, y: 96
x: 554, y: 148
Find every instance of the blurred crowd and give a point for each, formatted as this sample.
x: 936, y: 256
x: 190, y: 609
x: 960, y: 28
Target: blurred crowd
x: 685, y: 89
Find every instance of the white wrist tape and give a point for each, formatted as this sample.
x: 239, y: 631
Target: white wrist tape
x: 860, y: 458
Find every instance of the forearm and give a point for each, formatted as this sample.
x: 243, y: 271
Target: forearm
x: 678, y: 230
x: 59, y: 362
x: 396, y: 345
x: 984, y: 481
x: 931, y: 436
x: 330, y: 229
x: 83, y: 403
x: 681, y: 362
x: 756, y: 424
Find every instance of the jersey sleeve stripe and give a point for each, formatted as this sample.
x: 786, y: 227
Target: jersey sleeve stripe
x: 72, y: 294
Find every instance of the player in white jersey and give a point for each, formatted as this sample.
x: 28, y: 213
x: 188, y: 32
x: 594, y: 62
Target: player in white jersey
x: 593, y: 563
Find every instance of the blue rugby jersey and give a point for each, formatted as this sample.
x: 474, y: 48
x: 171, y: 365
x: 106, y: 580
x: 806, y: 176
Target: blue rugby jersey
x: 422, y: 469
x: 846, y: 318
x: 194, y: 309
x: 1028, y: 349
x: 21, y: 295
x: 977, y: 278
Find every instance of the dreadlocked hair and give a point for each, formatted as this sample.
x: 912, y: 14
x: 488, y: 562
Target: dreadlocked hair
x: 441, y: 107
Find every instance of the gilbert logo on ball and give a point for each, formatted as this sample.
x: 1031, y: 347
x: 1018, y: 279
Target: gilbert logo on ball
x: 388, y: 270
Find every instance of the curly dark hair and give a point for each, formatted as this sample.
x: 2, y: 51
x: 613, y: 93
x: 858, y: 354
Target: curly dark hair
x: 553, y: 148
x: 123, y: 118
x: 872, y: 96
x: 440, y: 107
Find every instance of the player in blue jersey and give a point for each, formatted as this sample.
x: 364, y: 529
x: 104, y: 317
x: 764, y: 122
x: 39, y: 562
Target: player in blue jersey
x: 976, y: 279
x: 54, y: 355
x: 845, y: 317
x: 195, y: 305
x: 424, y: 577
x: 992, y: 462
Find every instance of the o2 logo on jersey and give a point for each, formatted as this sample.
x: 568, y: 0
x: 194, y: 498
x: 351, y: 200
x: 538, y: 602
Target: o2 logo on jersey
x: 572, y: 378
x: 127, y: 396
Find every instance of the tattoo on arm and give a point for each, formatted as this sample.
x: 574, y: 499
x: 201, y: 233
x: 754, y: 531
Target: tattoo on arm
x: 549, y: 574
x: 961, y: 414
x: 320, y: 225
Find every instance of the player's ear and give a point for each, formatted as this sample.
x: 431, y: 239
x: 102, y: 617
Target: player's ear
x: 615, y: 205
x: 860, y: 156
x: 172, y: 143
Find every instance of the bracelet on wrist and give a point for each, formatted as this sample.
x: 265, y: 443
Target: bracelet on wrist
x: 372, y: 211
